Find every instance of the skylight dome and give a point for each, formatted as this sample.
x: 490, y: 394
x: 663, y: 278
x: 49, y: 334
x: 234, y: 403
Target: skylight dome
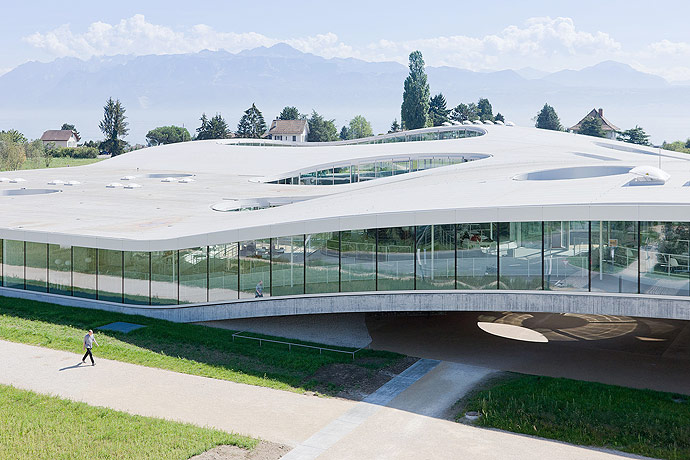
x: 649, y: 174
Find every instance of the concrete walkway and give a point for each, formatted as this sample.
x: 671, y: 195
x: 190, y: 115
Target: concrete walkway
x: 398, y: 421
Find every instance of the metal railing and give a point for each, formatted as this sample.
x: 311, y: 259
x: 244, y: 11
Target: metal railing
x: 292, y: 344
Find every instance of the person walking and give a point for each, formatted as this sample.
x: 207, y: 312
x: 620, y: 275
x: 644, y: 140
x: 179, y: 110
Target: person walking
x: 259, y: 289
x: 89, y: 341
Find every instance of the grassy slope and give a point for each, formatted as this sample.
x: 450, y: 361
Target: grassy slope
x: 186, y: 348
x: 44, y: 427
x: 60, y: 162
x: 643, y: 422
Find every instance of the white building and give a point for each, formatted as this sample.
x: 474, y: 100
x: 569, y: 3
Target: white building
x: 60, y: 137
x: 609, y: 128
x: 469, y: 217
x: 289, y: 130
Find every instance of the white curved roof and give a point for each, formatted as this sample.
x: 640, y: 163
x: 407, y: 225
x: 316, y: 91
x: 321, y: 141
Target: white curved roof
x: 178, y: 214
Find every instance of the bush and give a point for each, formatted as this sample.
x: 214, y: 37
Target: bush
x: 75, y: 152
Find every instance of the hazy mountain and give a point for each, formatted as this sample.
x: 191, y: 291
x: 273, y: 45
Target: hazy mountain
x: 531, y: 73
x: 175, y: 89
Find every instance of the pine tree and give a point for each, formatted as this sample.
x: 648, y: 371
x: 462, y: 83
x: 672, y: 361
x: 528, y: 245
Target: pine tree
x: 464, y: 112
x: 591, y: 126
x: 215, y: 128
x: 344, y: 134
x: 113, y: 127
x: 320, y: 129
x: 484, y: 110
x: 290, y: 113
x: 500, y: 117
x: 438, y: 113
x: 635, y: 135
x: 395, y: 127
x: 252, y: 124
x: 415, y: 106
x: 548, y: 119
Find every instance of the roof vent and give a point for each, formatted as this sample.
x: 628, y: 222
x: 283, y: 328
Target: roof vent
x: 168, y: 179
x: 72, y: 182
x: 128, y: 178
x: 510, y: 123
x: 114, y: 185
x: 17, y: 180
x: 648, y: 175
x: 56, y: 182
x: 4, y: 179
x: 186, y: 180
x: 132, y: 185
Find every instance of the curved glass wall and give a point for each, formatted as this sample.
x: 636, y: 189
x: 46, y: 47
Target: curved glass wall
x: 597, y: 256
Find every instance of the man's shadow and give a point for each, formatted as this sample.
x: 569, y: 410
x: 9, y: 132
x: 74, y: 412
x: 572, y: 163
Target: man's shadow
x: 76, y: 366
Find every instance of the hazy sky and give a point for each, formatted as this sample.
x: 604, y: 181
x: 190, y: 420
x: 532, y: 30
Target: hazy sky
x: 481, y: 35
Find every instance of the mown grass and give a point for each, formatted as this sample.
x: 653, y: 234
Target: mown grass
x: 186, y: 348
x: 59, y: 162
x: 34, y: 426
x: 642, y: 422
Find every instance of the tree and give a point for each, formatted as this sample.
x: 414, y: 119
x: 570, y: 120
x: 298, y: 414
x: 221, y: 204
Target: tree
x: 548, y: 119
x: 167, y: 135
x: 12, y: 153
x: 290, y: 113
x: 484, y: 110
x: 438, y: 113
x: 70, y: 127
x: 635, y: 135
x: 395, y: 127
x: 252, y: 124
x: 500, y: 117
x: 344, y: 134
x: 113, y: 127
x: 415, y: 105
x: 463, y: 112
x: 14, y: 136
x: 215, y: 128
x: 591, y: 126
x: 359, y: 128
x: 320, y: 129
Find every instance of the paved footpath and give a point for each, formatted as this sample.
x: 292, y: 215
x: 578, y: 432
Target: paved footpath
x: 400, y: 420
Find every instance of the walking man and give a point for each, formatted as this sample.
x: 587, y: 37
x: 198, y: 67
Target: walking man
x: 89, y: 341
x: 259, y: 290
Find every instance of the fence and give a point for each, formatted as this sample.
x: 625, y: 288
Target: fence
x: 291, y: 344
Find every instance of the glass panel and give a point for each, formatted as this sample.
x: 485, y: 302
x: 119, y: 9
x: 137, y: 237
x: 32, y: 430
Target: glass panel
x: 110, y: 275
x: 255, y: 268
x: 322, y: 250
x: 325, y: 177
x: 341, y: 175
x: 137, y: 277
x: 436, y: 257
x: 614, y: 256
x: 308, y: 178
x: 358, y: 260
x: 60, y: 269
x: 223, y: 272
x: 476, y: 257
x: 384, y: 168
x: 84, y: 272
x: 367, y: 171
x: 13, y: 264
x: 401, y: 167
x: 287, y: 265
x: 36, y: 267
x: 566, y: 256
x: 520, y: 250
x: 164, y: 278
x: 193, y: 275
x: 395, y: 258
x: 664, y: 264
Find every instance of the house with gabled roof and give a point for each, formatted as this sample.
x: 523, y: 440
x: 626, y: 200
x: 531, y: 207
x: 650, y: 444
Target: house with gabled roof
x: 289, y: 130
x: 609, y: 128
x: 60, y: 137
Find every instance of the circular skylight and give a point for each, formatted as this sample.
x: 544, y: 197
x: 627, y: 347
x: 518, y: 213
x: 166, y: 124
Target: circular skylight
x: 575, y: 172
x: 27, y: 191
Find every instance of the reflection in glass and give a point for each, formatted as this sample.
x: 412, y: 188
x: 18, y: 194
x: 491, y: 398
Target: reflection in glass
x: 476, y: 257
x: 287, y: 265
x: 520, y: 253
x: 164, y: 275
x: 84, y: 272
x: 614, y: 256
x: 436, y: 257
x: 137, y: 277
x: 322, y: 252
x: 13, y: 264
x: 60, y: 269
x: 110, y: 275
x: 255, y: 268
x: 395, y: 258
x: 664, y: 258
x: 341, y: 175
x: 566, y: 256
x: 366, y: 171
x: 193, y: 275
x: 358, y: 260
x: 223, y: 263
x: 36, y: 272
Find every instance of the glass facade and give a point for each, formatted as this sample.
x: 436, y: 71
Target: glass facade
x: 598, y: 256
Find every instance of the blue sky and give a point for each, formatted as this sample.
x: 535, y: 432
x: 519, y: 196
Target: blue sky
x: 495, y: 35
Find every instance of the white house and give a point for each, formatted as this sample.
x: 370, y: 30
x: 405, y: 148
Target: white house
x: 60, y: 137
x: 609, y: 128
x: 289, y: 130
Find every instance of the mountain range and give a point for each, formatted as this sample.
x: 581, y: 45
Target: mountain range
x: 176, y: 89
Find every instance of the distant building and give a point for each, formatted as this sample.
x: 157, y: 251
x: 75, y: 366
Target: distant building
x: 60, y: 137
x: 609, y: 128
x: 289, y: 130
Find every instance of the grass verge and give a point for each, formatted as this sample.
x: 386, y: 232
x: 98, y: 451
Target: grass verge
x: 642, y: 422
x: 59, y: 162
x: 186, y: 348
x: 46, y: 427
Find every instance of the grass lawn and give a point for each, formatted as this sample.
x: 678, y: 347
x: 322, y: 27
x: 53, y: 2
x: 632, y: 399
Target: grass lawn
x: 186, y: 348
x: 34, y: 426
x: 60, y: 162
x: 642, y: 422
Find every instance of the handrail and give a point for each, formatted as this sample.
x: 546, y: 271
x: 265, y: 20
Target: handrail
x: 291, y: 344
